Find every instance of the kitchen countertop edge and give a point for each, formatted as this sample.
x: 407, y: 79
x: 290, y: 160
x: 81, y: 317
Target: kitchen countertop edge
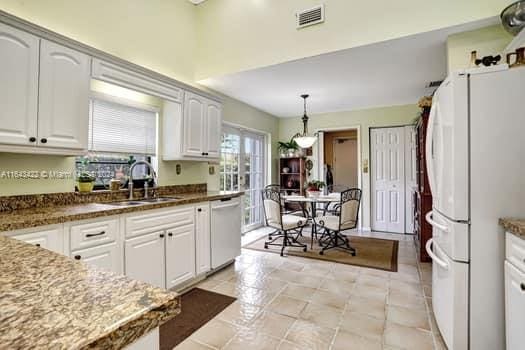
x: 27, y: 218
x: 514, y: 226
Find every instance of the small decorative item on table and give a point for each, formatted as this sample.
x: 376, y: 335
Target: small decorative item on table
x: 314, y: 188
x: 85, y: 182
x: 520, y: 57
x: 286, y: 170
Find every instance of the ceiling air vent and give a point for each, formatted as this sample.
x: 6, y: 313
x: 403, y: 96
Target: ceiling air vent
x: 310, y: 16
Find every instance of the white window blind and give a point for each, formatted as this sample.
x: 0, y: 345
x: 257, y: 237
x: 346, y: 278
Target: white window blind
x: 117, y: 128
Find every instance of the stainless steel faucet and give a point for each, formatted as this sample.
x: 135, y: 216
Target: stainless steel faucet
x: 130, y: 181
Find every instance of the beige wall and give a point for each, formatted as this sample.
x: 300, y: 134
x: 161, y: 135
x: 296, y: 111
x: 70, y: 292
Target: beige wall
x: 237, y: 35
x: 367, y: 118
x: 486, y: 41
x: 157, y: 34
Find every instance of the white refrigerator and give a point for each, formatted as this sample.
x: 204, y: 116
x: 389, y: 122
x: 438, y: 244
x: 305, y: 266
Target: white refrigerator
x: 476, y: 165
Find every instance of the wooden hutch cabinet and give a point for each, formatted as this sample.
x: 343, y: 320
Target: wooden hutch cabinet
x: 423, y: 196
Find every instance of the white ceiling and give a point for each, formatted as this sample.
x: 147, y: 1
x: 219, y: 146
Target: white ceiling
x: 389, y: 73
x: 196, y: 2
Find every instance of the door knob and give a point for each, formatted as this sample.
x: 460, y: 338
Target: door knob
x: 43, y: 140
x: 170, y: 234
x: 32, y: 139
x: 78, y: 257
x: 522, y: 286
x: 161, y: 235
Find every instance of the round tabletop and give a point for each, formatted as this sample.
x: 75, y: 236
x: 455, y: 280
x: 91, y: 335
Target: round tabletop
x: 320, y: 199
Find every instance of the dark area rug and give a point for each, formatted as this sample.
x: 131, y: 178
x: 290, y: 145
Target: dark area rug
x: 375, y: 253
x: 198, y: 306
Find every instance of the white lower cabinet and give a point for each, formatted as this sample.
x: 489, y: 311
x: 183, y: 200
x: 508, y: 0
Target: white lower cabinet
x: 51, y: 238
x: 514, y: 292
x: 180, y: 255
x: 202, y: 239
x: 105, y: 256
x: 144, y: 258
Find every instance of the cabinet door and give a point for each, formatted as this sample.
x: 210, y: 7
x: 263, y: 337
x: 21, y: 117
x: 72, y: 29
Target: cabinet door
x: 194, y: 122
x: 63, y: 104
x: 18, y: 86
x: 213, y: 129
x: 180, y: 255
x: 514, y: 306
x: 105, y: 257
x: 51, y: 239
x: 202, y: 239
x: 145, y: 258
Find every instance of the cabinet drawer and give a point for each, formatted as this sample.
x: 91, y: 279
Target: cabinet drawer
x: 515, y: 251
x: 93, y: 234
x: 51, y: 238
x: 136, y: 225
x: 106, y: 257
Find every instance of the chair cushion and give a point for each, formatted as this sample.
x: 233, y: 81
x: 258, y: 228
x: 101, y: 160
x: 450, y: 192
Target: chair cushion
x: 289, y: 222
x: 331, y: 222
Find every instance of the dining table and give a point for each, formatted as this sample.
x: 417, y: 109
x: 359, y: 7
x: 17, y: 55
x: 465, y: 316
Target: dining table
x: 313, y: 202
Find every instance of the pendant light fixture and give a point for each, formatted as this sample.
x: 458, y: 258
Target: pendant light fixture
x: 305, y: 140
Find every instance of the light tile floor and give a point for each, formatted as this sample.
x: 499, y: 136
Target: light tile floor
x: 296, y: 303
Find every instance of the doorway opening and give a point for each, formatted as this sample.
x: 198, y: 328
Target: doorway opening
x: 341, y: 159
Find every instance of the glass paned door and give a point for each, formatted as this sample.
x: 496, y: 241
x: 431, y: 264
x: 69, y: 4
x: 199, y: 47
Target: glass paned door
x: 242, y: 167
x: 230, y: 159
x: 253, y: 179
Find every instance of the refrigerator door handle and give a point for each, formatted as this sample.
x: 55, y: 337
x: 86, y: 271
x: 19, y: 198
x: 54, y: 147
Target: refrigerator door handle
x: 428, y: 147
x: 439, y: 226
x: 433, y: 256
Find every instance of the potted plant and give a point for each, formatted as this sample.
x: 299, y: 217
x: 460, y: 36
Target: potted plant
x: 288, y: 149
x: 85, y: 182
x: 313, y: 188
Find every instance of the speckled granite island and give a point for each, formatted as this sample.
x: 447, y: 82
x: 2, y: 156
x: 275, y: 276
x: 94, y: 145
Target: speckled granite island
x: 514, y: 226
x: 49, y: 301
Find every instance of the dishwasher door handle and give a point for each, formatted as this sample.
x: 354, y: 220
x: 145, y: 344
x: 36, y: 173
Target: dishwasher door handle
x: 224, y: 206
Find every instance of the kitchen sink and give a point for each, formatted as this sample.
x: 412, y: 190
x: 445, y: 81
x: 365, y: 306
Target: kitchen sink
x: 159, y: 199
x: 124, y: 203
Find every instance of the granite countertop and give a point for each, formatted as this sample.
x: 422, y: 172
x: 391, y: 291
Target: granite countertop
x: 48, y: 301
x: 515, y: 226
x: 40, y: 216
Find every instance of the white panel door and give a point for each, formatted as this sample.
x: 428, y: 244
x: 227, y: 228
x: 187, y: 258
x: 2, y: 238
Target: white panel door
x: 63, y: 103
x: 410, y: 177
x: 202, y: 238
x: 388, y: 179
x: 180, y: 255
x: 145, y: 258
x: 194, y: 123
x: 106, y: 257
x: 18, y: 86
x: 213, y: 129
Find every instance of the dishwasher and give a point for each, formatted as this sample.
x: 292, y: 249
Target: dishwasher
x: 225, y: 231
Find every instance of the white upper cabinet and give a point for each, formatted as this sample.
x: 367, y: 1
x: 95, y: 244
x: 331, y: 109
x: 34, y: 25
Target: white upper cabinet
x: 63, y: 108
x: 213, y: 129
x: 18, y: 86
x: 192, y: 131
x: 194, y: 125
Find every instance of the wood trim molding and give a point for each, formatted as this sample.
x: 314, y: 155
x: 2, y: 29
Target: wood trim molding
x: 47, y: 34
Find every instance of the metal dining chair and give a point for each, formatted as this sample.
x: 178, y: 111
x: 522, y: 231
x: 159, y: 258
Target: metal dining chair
x: 333, y: 225
x: 333, y: 208
x: 286, y: 225
x: 301, y: 212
